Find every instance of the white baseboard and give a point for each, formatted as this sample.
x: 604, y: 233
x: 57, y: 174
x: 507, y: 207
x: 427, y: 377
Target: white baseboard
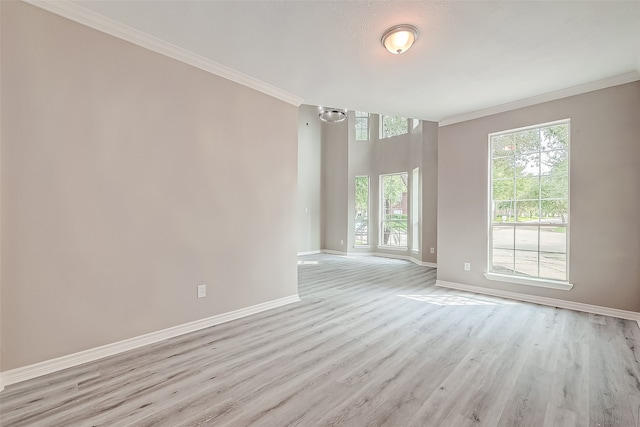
x: 552, y: 302
x: 309, y: 253
x: 53, y: 365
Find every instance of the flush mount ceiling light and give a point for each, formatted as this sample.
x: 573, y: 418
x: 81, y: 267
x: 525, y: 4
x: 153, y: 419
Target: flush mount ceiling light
x: 399, y: 39
x: 332, y: 114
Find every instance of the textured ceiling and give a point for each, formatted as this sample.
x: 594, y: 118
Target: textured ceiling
x: 469, y: 55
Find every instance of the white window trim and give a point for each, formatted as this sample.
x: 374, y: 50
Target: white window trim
x: 541, y: 283
x: 512, y: 278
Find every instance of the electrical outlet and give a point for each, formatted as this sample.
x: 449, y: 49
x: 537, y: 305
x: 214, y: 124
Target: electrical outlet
x: 202, y: 291
x: 467, y: 266
x: 433, y: 250
x: 341, y: 242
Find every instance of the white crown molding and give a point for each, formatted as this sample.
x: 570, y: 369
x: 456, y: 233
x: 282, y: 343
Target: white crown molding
x: 53, y: 365
x: 109, y: 26
x: 552, y: 302
x: 551, y: 96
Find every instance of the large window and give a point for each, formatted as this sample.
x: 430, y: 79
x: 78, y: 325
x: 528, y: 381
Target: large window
x: 393, y: 126
x: 529, y: 202
x: 362, y: 126
x: 393, y: 194
x: 362, y: 211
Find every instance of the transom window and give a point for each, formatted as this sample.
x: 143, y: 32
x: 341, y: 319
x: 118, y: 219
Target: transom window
x: 529, y: 202
x: 362, y: 126
x: 393, y: 194
x: 393, y: 126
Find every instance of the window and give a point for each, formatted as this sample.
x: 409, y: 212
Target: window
x: 415, y: 210
x: 362, y: 211
x: 529, y: 202
x: 393, y: 125
x: 393, y: 194
x: 415, y: 123
x: 362, y: 126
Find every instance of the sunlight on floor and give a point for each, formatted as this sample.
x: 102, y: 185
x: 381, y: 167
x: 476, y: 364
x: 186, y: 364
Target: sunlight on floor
x: 454, y: 300
x: 306, y: 262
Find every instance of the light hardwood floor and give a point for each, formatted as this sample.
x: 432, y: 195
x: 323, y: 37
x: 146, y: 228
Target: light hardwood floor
x: 373, y: 342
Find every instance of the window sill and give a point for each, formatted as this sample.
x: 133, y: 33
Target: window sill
x: 361, y: 246
x: 541, y: 283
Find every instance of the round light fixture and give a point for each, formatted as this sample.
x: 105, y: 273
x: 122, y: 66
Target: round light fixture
x: 399, y: 39
x: 332, y: 114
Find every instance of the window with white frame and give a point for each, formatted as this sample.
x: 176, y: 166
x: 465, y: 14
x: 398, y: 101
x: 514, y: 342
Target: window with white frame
x: 393, y: 126
x: 393, y: 197
x: 529, y: 202
x: 415, y: 210
x: 362, y: 126
x: 362, y: 211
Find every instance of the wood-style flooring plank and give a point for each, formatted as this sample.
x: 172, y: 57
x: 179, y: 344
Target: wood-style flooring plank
x: 372, y: 342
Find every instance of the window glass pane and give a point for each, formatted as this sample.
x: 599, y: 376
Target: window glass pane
x: 555, y: 137
x: 503, y: 237
x: 527, y: 141
x: 503, y: 189
x: 526, y: 263
x: 528, y: 211
x: 394, y: 210
x: 503, y: 261
x: 555, y: 186
x: 527, y: 238
x: 527, y: 165
x: 362, y: 126
x: 393, y: 126
x: 553, y: 162
x: 528, y: 188
x: 553, y: 266
x: 553, y: 239
x: 503, y: 212
x: 502, y: 168
x: 502, y: 146
x: 362, y: 211
x: 555, y: 211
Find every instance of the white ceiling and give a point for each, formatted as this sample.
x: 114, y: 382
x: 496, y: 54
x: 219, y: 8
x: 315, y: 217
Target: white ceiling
x: 469, y: 56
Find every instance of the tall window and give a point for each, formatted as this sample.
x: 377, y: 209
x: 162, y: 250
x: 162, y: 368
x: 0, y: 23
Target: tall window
x: 393, y: 194
x: 362, y: 126
x: 415, y: 210
x: 393, y: 125
x: 362, y: 211
x: 529, y: 202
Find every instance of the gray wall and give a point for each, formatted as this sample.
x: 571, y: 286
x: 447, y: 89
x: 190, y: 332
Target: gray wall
x: 429, y: 179
x: 309, y: 213
x: 129, y: 178
x: 604, y: 196
x: 335, y: 166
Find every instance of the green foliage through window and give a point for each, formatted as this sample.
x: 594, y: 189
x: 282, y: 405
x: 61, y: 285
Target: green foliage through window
x: 393, y: 126
x: 394, y: 210
x: 362, y: 211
